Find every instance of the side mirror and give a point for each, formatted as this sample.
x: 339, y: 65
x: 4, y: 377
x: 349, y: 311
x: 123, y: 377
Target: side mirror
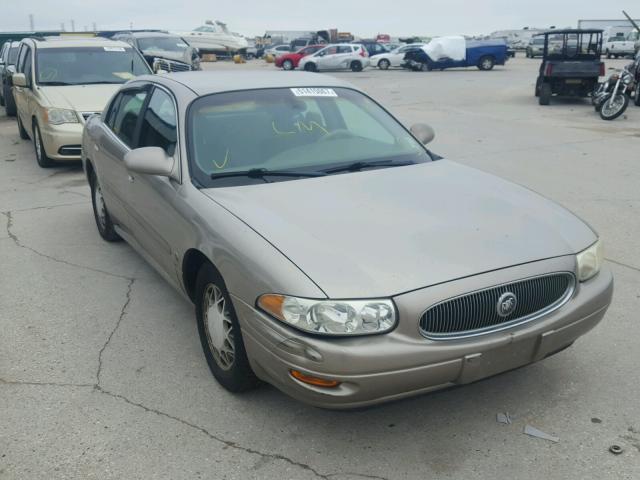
x: 423, y: 132
x: 150, y: 161
x: 19, y: 80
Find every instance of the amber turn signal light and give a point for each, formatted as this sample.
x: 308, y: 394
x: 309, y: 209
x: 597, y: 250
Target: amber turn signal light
x: 315, y: 381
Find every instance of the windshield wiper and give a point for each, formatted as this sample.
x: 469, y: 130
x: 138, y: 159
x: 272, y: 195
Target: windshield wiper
x: 55, y: 84
x: 357, y: 166
x: 101, y: 82
x: 263, y: 172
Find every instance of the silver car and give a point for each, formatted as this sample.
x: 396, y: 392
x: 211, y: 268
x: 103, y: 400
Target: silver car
x: 343, y: 56
x: 326, y: 250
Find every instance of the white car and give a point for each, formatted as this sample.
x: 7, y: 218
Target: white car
x: 618, y: 47
x: 394, y: 58
x: 277, y: 50
x: 342, y: 56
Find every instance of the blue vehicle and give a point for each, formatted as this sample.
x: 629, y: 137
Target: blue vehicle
x: 455, y: 52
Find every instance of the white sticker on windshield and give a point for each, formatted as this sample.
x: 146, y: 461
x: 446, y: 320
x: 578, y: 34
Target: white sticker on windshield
x: 113, y: 49
x: 314, y: 92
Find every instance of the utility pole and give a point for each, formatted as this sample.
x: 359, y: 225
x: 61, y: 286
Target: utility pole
x: 62, y: 27
x: 95, y: 27
x: 73, y: 25
x: 31, y: 28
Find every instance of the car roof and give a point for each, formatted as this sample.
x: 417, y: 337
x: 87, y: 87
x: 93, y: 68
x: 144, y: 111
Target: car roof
x: 148, y: 34
x: 208, y: 82
x: 79, y: 42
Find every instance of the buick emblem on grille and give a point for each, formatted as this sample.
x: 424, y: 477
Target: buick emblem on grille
x: 506, y: 304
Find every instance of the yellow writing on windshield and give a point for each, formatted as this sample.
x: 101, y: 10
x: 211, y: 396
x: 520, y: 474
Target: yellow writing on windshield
x: 299, y: 127
x: 224, y: 163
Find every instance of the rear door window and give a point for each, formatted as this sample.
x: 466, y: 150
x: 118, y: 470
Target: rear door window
x: 125, y: 117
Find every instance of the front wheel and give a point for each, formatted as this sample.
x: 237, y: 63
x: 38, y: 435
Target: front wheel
x: 486, y: 63
x: 356, y: 66
x: 287, y: 65
x: 612, y: 108
x: 9, y: 101
x: 220, y: 333
x: 384, y: 64
x: 100, y: 212
x: 636, y: 99
x: 310, y: 67
x: 425, y: 67
x: 41, y: 155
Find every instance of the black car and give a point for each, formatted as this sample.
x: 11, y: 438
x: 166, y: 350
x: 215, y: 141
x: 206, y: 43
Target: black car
x: 8, y: 57
x: 163, y: 51
x: 571, y: 64
x: 372, y: 47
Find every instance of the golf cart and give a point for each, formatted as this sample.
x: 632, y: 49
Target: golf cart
x: 570, y: 64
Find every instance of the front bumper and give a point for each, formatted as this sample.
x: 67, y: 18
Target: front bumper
x: 62, y: 142
x: 402, y: 363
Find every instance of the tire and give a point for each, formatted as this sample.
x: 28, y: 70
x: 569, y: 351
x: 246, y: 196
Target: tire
x: 384, y: 64
x: 310, y: 67
x: 287, y: 65
x: 220, y: 333
x: 636, y: 99
x: 356, y: 66
x: 545, y: 94
x: 9, y: 102
x: 21, y: 131
x: 486, y: 63
x: 425, y: 67
x: 607, y: 53
x: 2, y: 97
x: 100, y: 212
x: 41, y: 155
x: 606, y: 114
x: 528, y: 54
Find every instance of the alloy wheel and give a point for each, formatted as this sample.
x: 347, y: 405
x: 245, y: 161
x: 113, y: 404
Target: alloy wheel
x: 101, y: 210
x: 218, y: 327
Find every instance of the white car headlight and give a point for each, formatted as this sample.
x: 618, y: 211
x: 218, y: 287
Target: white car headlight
x: 58, y: 116
x: 331, y: 317
x: 590, y: 261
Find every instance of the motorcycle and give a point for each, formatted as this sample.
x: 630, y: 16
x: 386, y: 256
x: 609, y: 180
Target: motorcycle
x: 611, y: 97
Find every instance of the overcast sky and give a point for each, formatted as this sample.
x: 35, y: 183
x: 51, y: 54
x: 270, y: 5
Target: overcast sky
x: 360, y: 17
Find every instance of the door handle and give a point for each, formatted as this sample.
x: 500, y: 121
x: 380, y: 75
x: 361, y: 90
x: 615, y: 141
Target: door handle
x: 96, y: 147
x: 131, y: 178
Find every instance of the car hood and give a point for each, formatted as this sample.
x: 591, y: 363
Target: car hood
x: 81, y: 98
x: 383, y: 232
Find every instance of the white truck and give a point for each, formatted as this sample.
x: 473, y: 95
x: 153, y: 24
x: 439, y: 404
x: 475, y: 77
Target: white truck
x: 618, y: 46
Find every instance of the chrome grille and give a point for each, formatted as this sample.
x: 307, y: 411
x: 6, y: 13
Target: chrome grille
x: 477, y: 313
x: 167, y: 66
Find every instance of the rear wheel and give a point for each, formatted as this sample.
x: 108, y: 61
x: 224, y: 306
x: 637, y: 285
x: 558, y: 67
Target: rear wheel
x: 486, y: 63
x: 100, y: 212
x: 545, y: 94
x: 356, y: 66
x: 220, y: 333
x: 384, y: 64
x: 41, y: 155
x: 287, y: 65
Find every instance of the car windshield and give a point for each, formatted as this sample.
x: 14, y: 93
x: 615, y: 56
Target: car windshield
x: 538, y: 41
x: 306, y: 130
x: 86, y: 65
x: 162, y: 44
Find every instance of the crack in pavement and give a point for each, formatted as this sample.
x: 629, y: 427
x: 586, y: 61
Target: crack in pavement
x: 19, y: 244
x: 42, y: 207
x: 123, y: 312
x: 626, y: 265
x: 46, y: 384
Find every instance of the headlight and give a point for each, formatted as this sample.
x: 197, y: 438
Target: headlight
x: 58, y: 116
x: 590, y: 261
x: 331, y: 317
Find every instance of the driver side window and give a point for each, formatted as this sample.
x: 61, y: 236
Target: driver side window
x: 124, y: 113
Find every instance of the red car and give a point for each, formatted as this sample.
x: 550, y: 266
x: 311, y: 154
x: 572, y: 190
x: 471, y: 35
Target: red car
x: 290, y: 61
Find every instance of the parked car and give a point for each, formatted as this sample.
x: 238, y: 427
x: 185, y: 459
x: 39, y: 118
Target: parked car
x: 571, y: 65
x: 342, y: 56
x: 60, y: 82
x: 163, y: 51
x: 616, y: 47
x: 290, y: 61
x: 289, y: 240
x: 277, y: 50
x: 373, y: 47
x: 393, y: 58
x: 455, y: 51
x: 8, y: 57
x: 535, y: 48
